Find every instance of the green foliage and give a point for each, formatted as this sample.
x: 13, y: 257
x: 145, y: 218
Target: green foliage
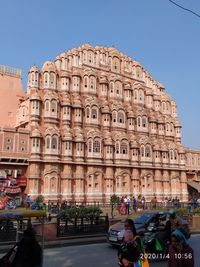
x: 197, y: 210
x: 39, y: 200
x: 114, y: 199
x: 79, y: 212
x: 181, y: 211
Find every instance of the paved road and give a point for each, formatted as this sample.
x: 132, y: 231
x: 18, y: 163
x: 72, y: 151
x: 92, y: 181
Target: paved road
x: 97, y: 255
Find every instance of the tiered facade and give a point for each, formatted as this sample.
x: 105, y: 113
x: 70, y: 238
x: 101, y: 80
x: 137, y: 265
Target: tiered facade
x: 100, y: 124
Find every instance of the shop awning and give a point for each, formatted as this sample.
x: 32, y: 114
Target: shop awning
x: 12, y: 190
x: 22, y: 181
x: 195, y: 185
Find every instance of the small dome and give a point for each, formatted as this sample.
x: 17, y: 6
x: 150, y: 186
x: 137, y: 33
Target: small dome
x: 34, y: 69
x: 156, y: 147
x: 49, y: 66
x: 177, y: 123
x: 65, y: 101
x: 78, y: 135
x: 130, y: 114
x: 105, y: 109
x: 76, y: 73
x: 134, y: 144
x: 152, y: 119
x: 66, y: 133
x: 161, y: 120
x: 77, y: 102
x: 164, y: 148
x: 35, y: 96
x: 36, y: 133
x: 108, y: 141
x: 156, y: 97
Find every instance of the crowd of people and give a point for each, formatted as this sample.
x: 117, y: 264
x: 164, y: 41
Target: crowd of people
x: 132, y: 252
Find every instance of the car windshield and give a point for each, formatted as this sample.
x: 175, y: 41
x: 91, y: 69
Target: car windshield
x: 143, y: 218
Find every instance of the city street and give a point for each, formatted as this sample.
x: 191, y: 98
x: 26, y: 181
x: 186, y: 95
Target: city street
x: 97, y: 255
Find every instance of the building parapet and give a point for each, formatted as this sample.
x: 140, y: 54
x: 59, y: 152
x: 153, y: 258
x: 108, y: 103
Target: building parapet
x: 14, y: 72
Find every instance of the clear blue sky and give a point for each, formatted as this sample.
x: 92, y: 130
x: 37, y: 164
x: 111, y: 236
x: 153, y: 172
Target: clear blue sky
x: 162, y: 37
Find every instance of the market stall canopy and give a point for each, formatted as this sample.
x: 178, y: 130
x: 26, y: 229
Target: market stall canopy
x: 6, y: 214
x: 12, y: 190
x: 195, y: 185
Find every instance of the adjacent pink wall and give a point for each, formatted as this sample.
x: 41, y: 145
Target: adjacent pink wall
x: 10, y: 92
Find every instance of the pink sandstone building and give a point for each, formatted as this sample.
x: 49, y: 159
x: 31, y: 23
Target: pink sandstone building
x: 96, y: 123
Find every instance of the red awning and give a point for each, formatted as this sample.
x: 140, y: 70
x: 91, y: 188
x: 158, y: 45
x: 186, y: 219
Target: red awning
x: 12, y: 190
x: 22, y: 181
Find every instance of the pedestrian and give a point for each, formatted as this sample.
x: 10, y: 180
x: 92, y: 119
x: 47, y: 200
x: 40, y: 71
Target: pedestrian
x: 27, y: 201
x: 123, y: 207
x: 134, y: 204
x: 179, y: 253
x: 29, y: 252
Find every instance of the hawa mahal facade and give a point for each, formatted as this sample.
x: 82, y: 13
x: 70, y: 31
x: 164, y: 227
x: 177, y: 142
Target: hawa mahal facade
x: 93, y: 123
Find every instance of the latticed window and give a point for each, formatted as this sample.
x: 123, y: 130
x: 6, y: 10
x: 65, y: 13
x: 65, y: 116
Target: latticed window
x: 144, y: 122
x: 53, y: 106
x: 52, y: 80
x: 142, y: 151
x: 90, y: 146
x: 96, y: 146
x: 92, y: 83
x: 120, y: 117
x: 54, y: 143
x: 117, y: 148
x: 87, y: 112
x: 148, y: 151
x: 94, y: 113
x: 124, y: 148
x: 47, y: 105
x: 139, y: 121
x: 48, y: 142
x: 86, y: 81
x: 46, y: 80
x: 135, y: 94
x: 114, y: 116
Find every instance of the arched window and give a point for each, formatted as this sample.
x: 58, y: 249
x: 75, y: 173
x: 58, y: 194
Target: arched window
x: 111, y: 88
x: 47, y: 105
x: 171, y: 127
x: 139, y: 121
x: 163, y: 106
x: 135, y: 95
x: 54, y: 143
x: 118, y: 88
x: 94, y: 113
x: 52, y: 80
x: 141, y: 95
x: 92, y: 83
x: 48, y: 141
x: 117, y: 147
x: 124, y: 148
x: 116, y: 64
x: 142, y: 151
x: 144, y: 122
x: 87, y: 113
x: 53, y: 106
x: 96, y: 146
x: 114, y: 116
x: 171, y: 154
x: 46, y: 80
x: 86, y: 81
x: 175, y: 155
x: 90, y: 146
x: 148, y: 151
x: 90, y: 57
x: 120, y: 117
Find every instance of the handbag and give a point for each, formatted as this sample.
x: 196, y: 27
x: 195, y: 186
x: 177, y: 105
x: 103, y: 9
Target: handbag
x: 8, y: 259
